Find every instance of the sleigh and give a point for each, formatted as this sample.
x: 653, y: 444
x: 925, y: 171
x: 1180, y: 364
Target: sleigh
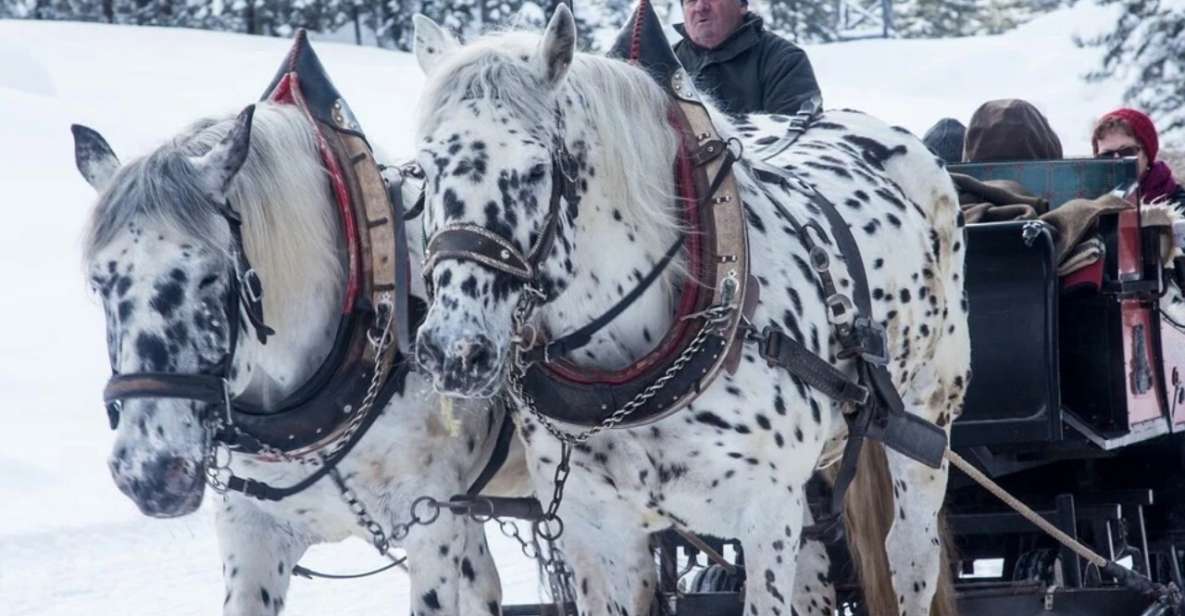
x: 1074, y: 384
x: 1075, y: 378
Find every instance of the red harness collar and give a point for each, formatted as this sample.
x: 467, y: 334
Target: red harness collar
x: 288, y: 92
x: 685, y: 188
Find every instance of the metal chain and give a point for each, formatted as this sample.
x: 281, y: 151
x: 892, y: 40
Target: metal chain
x: 714, y: 317
x: 217, y: 470
x: 400, y: 530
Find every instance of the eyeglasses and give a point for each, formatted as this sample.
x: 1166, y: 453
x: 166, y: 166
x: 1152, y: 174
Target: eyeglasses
x: 1126, y: 151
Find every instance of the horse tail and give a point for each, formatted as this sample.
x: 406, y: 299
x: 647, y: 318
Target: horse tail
x: 868, y: 514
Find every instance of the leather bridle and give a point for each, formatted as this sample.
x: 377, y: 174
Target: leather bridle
x: 476, y: 244
x: 244, y: 295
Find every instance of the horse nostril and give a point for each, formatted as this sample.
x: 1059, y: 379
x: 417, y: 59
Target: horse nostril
x: 428, y: 352
x: 474, y: 352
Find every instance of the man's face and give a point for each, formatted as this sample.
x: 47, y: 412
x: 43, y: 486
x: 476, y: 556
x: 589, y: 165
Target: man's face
x: 1114, y: 144
x: 709, y: 22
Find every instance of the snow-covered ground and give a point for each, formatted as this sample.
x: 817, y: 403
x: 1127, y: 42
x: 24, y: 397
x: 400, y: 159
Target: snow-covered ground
x: 69, y: 542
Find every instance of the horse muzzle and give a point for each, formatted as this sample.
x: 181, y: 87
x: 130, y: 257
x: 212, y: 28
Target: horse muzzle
x: 164, y: 486
x: 465, y: 366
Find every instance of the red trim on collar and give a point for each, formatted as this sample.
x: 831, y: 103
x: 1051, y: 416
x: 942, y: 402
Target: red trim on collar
x: 674, y: 340
x: 636, y: 39
x: 288, y: 92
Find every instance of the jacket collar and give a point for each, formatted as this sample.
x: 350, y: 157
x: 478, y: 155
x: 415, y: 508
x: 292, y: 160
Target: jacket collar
x: 746, y: 36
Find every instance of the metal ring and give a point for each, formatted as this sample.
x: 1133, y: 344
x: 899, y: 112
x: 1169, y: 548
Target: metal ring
x: 543, y: 529
x: 433, y: 507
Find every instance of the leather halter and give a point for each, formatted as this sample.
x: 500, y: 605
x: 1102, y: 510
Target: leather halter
x: 323, y: 410
x: 474, y: 243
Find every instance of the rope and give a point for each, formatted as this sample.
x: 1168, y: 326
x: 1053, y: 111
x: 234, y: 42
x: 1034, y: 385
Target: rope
x: 1090, y: 555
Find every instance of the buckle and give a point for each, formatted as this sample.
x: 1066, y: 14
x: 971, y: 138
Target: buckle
x: 840, y: 310
x: 871, y: 341
x: 769, y: 345
x: 253, y: 286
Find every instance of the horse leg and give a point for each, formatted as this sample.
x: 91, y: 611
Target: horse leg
x: 258, y: 553
x: 771, y: 555
x: 613, y: 570
x: 814, y: 593
x: 451, y: 569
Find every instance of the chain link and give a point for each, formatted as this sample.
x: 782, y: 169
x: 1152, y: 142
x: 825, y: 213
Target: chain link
x: 217, y: 472
x: 714, y: 318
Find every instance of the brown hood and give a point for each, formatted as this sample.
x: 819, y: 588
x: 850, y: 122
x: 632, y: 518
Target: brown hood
x: 1010, y: 129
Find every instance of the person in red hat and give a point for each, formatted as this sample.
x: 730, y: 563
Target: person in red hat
x: 1127, y: 132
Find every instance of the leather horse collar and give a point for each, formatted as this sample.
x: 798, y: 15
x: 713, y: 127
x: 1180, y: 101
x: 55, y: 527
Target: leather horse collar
x: 713, y: 300
x: 364, y: 367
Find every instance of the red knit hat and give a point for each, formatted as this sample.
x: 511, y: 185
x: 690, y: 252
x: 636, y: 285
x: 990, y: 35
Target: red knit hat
x: 1141, y: 126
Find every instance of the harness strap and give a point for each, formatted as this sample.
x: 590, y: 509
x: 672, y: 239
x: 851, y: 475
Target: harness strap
x: 882, y: 414
x: 250, y: 289
x: 577, y: 339
x: 781, y: 350
x: 497, y: 457
x: 262, y: 491
x: 401, y: 308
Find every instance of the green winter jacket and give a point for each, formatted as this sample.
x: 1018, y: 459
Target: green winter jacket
x: 752, y: 71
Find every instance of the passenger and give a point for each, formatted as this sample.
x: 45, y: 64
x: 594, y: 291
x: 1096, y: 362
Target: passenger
x: 1004, y: 130
x: 945, y: 139
x: 1010, y: 129
x: 1127, y: 132
x: 748, y: 69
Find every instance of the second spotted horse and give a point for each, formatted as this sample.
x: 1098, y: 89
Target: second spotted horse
x: 549, y: 199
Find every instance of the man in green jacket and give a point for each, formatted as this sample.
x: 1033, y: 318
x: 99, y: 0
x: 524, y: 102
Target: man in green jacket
x: 744, y: 67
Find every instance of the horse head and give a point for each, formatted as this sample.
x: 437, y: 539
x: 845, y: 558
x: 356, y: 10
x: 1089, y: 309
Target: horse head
x: 165, y: 255
x: 500, y: 192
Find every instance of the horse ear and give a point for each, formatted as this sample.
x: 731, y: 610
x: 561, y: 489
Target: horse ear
x: 220, y: 165
x: 431, y: 42
x: 93, y: 157
x: 558, y: 46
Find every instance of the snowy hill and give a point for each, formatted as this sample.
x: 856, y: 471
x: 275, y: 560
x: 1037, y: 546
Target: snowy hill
x: 69, y: 542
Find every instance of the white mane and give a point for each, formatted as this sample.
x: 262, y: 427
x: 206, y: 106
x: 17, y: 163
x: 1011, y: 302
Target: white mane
x: 625, y: 108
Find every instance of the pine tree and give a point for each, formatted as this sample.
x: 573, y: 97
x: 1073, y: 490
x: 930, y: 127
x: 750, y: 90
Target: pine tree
x: 1147, y: 48
x: 935, y: 18
x: 802, y: 21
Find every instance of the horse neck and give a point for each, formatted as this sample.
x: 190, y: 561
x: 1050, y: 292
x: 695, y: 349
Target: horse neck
x: 291, y: 235
x: 621, y: 230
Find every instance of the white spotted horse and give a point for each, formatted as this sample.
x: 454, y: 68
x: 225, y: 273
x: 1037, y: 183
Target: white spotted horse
x: 266, y: 224
x: 551, y: 206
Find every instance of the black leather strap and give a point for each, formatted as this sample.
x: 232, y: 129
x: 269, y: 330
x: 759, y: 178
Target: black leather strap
x: 781, y: 350
x: 566, y: 344
x: 263, y: 491
x: 202, y: 387
x: 497, y: 457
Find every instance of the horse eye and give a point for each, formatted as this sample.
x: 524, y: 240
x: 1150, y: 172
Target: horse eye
x: 536, y: 173
x: 207, y: 281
